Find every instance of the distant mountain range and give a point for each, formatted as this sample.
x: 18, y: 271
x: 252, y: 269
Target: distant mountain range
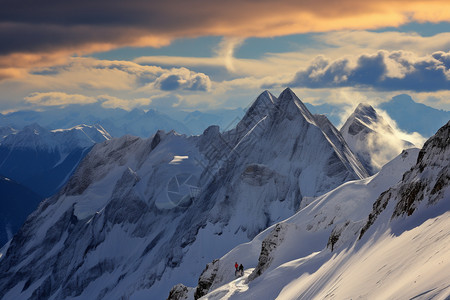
x: 409, y: 115
x: 119, y: 122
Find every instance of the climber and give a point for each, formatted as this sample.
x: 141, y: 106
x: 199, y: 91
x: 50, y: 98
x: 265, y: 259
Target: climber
x: 236, y: 266
x: 241, y: 270
x: 236, y: 272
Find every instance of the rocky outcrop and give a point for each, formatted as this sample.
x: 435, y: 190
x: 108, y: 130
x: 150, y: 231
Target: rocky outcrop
x: 206, y: 279
x: 426, y: 181
x: 179, y: 292
x: 268, y: 246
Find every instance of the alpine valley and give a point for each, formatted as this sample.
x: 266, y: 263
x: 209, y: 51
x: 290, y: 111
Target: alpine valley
x: 310, y: 211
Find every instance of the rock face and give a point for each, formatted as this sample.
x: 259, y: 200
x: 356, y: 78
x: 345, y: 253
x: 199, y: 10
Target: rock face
x: 371, y: 138
x: 206, y: 279
x: 140, y: 215
x: 269, y: 244
x: 428, y: 181
x: 179, y: 292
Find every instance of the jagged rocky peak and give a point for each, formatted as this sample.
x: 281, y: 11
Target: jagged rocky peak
x: 365, y: 111
x: 259, y: 109
x: 372, y: 138
x: 290, y: 105
x: 360, y: 120
x: 437, y: 146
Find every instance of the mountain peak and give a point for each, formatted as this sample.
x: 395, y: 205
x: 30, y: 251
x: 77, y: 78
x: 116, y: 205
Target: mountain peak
x: 292, y: 106
x: 287, y: 94
x: 365, y: 109
x: 403, y: 99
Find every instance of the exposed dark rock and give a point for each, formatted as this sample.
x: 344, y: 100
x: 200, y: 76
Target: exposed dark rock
x: 206, y: 279
x: 269, y: 244
x: 179, y: 292
x: 156, y: 140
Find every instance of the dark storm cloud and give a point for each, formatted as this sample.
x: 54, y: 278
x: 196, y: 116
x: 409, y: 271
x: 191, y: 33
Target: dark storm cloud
x: 385, y: 71
x: 36, y: 26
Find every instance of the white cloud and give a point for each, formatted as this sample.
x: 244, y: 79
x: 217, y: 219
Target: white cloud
x: 58, y: 99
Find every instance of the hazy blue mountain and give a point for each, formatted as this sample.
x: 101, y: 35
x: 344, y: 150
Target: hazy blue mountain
x: 43, y: 159
x: 415, y: 117
x: 117, y: 122
x: 333, y: 112
x: 226, y: 119
x: 16, y: 203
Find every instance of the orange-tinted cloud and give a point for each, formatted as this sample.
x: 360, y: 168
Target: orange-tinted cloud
x: 48, y: 27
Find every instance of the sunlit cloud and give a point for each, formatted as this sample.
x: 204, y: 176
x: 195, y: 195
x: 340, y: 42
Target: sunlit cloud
x: 183, y: 79
x: 225, y: 50
x: 58, y: 99
x: 397, y: 70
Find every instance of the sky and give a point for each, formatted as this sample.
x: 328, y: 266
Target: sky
x: 203, y: 55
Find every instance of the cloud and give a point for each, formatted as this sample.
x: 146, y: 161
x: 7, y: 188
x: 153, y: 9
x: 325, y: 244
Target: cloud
x: 58, y: 99
x: 61, y: 99
x: 225, y: 51
x: 44, y: 27
x: 183, y: 79
x: 95, y: 75
x: 390, y: 141
x: 368, y: 41
x: 384, y: 71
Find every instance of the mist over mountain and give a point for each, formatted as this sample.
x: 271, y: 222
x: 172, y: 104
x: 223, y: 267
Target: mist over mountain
x: 371, y: 138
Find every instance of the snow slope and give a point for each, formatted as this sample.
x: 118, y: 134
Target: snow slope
x: 140, y: 215
x: 357, y: 241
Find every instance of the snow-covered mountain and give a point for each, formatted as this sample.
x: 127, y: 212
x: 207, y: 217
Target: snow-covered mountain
x: 383, y: 237
x: 43, y: 159
x: 140, y: 215
x: 371, y: 138
x: 119, y: 122
x: 16, y: 203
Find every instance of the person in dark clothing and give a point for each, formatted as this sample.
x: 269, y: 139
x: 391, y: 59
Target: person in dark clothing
x: 241, y: 270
